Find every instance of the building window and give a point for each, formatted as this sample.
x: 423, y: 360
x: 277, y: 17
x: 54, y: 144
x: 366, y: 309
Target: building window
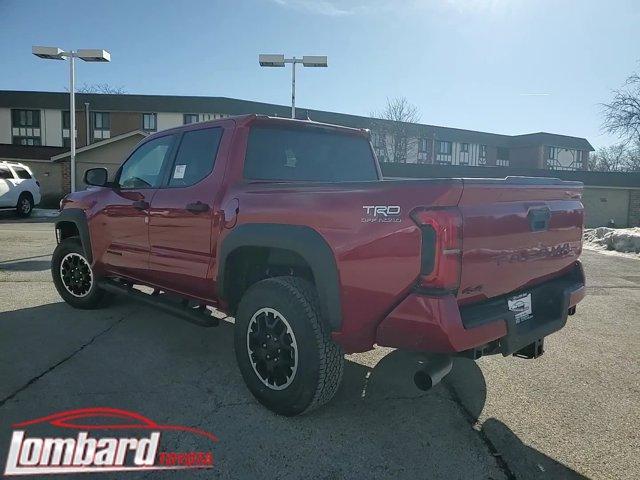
x: 213, y: 116
x: 423, y: 150
x: 464, y: 148
x: 444, y: 151
x: 149, y: 122
x: 189, y: 118
x: 564, y: 159
x: 66, y: 120
x: 26, y: 118
x: 444, y: 148
x: 101, y: 125
x: 482, y: 155
x: 66, y: 128
x: 25, y: 127
x: 502, y: 158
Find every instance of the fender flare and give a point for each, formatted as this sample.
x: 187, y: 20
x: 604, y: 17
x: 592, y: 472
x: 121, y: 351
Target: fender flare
x: 304, y: 241
x: 79, y: 219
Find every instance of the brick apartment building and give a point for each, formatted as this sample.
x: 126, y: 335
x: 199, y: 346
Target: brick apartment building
x: 42, y: 119
x: 34, y: 128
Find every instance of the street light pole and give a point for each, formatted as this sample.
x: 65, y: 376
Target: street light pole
x: 88, y: 55
x: 293, y: 87
x: 269, y: 60
x: 72, y: 118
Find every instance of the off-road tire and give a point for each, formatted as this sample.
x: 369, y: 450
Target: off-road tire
x: 320, y: 360
x: 24, y: 208
x: 95, y: 297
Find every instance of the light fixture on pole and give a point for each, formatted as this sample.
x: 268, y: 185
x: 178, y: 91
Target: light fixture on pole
x: 267, y: 60
x: 88, y: 55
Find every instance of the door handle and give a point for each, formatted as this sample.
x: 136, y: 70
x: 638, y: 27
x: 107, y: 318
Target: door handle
x: 230, y: 213
x: 197, y: 207
x: 140, y: 204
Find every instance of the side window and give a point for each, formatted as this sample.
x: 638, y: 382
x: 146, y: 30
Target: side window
x: 143, y: 168
x: 5, y: 174
x: 196, y: 156
x: 22, y: 173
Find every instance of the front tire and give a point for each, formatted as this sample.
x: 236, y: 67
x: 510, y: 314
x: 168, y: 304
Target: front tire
x: 24, y: 208
x: 73, y: 276
x: 284, y: 348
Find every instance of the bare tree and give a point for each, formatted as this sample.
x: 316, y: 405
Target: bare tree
x: 396, y: 129
x: 620, y: 157
x: 100, y: 88
x: 622, y: 114
x: 632, y: 160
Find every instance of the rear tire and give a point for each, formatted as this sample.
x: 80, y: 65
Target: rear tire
x: 73, y: 276
x: 24, y: 208
x: 284, y: 348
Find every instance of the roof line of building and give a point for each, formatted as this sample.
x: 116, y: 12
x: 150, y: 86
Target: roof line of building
x: 232, y: 106
x: 101, y: 143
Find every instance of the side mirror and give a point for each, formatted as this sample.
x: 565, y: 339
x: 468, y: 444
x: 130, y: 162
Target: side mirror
x: 98, y: 177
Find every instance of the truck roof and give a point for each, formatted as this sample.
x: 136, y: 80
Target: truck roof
x: 246, y: 120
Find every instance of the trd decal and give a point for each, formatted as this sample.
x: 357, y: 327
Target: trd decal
x: 381, y: 214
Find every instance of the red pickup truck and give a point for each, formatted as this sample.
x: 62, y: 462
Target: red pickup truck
x: 289, y: 227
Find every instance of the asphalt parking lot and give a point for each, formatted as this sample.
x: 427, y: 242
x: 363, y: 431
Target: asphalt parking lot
x: 572, y: 413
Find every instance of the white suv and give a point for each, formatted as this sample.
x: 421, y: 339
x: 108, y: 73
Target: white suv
x: 19, y: 189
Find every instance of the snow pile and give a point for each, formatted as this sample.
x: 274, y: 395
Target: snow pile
x: 626, y: 240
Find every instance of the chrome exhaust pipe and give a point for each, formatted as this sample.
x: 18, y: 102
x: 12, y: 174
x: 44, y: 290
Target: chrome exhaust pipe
x: 434, y: 370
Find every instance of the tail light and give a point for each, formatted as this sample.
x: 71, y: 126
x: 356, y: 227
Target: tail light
x: 441, y: 253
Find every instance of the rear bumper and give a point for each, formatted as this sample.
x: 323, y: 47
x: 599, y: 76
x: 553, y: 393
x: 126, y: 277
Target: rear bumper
x: 437, y: 324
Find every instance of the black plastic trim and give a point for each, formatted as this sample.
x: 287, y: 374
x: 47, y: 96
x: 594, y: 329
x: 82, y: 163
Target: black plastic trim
x: 77, y: 217
x: 304, y: 241
x: 550, y: 304
x: 200, y: 317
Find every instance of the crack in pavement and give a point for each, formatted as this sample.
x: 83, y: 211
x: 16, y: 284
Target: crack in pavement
x: 56, y: 365
x: 475, y: 426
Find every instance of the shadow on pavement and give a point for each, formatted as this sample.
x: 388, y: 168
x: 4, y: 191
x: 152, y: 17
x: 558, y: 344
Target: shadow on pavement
x: 379, y: 425
x: 524, y: 461
x: 12, y: 216
x: 26, y: 266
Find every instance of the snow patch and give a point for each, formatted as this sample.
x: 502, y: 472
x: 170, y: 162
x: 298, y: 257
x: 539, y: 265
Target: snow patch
x: 623, y: 240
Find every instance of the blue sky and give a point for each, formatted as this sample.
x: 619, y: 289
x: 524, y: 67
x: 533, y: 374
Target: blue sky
x: 464, y: 63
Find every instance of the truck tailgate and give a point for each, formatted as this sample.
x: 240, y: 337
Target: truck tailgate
x: 517, y: 232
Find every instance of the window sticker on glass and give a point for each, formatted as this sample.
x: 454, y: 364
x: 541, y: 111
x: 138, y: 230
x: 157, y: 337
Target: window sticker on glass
x: 179, y: 171
x: 291, y: 158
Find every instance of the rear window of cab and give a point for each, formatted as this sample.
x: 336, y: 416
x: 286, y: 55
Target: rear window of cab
x: 308, y: 154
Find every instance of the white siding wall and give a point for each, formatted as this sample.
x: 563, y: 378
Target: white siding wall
x: 5, y: 125
x: 169, y: 120
x: 457, y: 157
x: 51, y: 121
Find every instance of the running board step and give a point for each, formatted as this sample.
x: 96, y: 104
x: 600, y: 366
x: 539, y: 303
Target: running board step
x: 162, y: 301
